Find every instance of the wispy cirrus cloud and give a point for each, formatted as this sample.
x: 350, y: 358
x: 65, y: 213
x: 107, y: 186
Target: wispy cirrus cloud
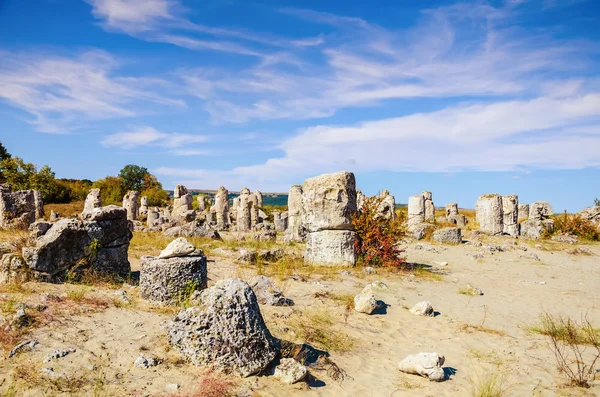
x: 174, y: 143
x: 63, y: 93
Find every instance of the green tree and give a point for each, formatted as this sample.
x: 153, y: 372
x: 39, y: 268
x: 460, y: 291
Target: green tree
x: 133, y: 177
x: 17, y: 173
x: 153, y: 189
x: 4, y: 153
x: 112, y: 190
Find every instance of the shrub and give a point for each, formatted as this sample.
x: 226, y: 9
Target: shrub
x: 569, y: 341
x: 574, y: 224
x: 377, y: 236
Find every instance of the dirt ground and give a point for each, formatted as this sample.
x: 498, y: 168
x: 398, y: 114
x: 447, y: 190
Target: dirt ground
x: 478, y: 335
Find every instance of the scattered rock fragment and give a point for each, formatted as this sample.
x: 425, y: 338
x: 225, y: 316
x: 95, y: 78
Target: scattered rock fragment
x: 471, y: 290
x: 22, y: 347
x: 267, y: 293
x: 145, y: 362
x: 424, y: 364
x: 56, y: 354
x: 290, y: 371
x: 365, y: 302
x: 178, y: 247
x: 423, y: 308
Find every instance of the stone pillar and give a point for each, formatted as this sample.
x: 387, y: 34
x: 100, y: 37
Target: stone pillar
x: 523, y: 212
x: 295, y: 214
x: 280, y: 220
x: 259, y: 198
x: 489, y: 214
x: 360, y: 200
x: 328, y: 203
x: 130, y: 203
x: 510, y: 215
x: 201, y: 203
x: 93, y: 200
x: 429, y: 207
x: 39, y: 204
x: 451, y: 211
x: 144, y: 205
x: 17, y: 209
x: 539, y: 221
x: 153, y: 217
x: 387, y: 207
x: 244, y: 223
x: 182, y: 202
x: 540, y: 210
x: 211, y: 217
x: 222, y: 208
x: 416, y: 210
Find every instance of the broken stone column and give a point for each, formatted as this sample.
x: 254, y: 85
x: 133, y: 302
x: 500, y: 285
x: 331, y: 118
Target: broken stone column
x: 179, y: 269
x: 93, y: 200
x: 523, y: 212
x: 280, y: 219
x: 17, y: 209
x: 539, y: 222
x: 130, y: 203
x: 429, y: 207
x: 259, y: 198
x: 182, y: 202
x: 451, y: 211
x: 489, y: 214
x: 416, y: 211
x: 244, y: 218
x: 144, y: 206
x: 153, y: 217
x: 510, y: 213
x: 294, y: 230
x: 211, y: 217
x: 328, y: 203
x: 39, y: 204
x: 387, y: 207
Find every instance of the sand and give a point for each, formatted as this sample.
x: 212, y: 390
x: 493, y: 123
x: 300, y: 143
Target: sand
x: 478, y: 335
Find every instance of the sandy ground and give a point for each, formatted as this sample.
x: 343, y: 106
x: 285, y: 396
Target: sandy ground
x: 478, y: 335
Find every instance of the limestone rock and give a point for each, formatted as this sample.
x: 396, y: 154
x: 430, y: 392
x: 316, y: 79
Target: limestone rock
x: 365, y: 302
x: 13, y: 269
x: 540, y: 210
x: 591, y: 214
x: 329, y: 201
x: 244, y: 209
x: 177, y: 247
x: 424, y: 364
x: 489, y: 215
x: 130, y: 203
x: 419, y: 231
x: 510, y: 213
x: 167, y: 280
x: 38, y: 204
x: 387, y: 207
x: 290, y: 371
x: 93, y: 200
x: 17, y: 209
x: 267, y: 293
x: 222, y: 208
x: 451, y: 210
x: 448, y: 235
x: 226, y: 331
x: 330, y: 248
x: 422, y: 309
x: 295, y: 229
x: 429, y: 206
x: 416, y: 211
x: 523, y: 212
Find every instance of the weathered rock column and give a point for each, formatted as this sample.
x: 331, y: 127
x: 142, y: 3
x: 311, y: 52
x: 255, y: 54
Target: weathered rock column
x: 429, y: 206
x: 182, y: 202
x: 280, y: 219
x: 360, y: 200
x: 222, y: 208
x: 510, y: 213
x: 153, y: 217
x: 39, y: 204
x: 17, y: 209
x: 93, y: 200
x: 201, y: 203
x: 539, y: 221
x: 130, y: 203
x: 523, y: 212
x: 416, y: 211
x: 244, y: 221
x: 489, y: 214
x: 295, y: 214
x: 259, y: 198
x: 144, y: 205
x: 328, y: 203
x: 387, y: 207
x: 451, y: 211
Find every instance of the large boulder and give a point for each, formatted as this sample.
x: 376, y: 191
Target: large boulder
x: 489, y: 214
x: 540, y: 210
x: 101, y: 240
x: 535, y: 229
x: 591, y: 214
x: 17, y: 209
x: 225, y: 331
x: 330, y: 248
x: 328, y: 202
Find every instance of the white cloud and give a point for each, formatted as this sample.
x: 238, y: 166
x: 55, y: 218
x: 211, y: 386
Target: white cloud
x: 63, y: 93
x: 543, y: 132
x: 148, y: 136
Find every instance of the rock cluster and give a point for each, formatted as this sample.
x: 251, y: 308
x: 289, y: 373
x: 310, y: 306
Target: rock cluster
x: 328, y: 203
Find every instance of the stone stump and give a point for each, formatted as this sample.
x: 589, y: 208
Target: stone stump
x: 489, y: 214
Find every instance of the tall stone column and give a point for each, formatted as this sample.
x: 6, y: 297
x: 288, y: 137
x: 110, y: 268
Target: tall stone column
x: 510, y: 215
x: 489, y: 214
x: 416, y: 211
x: 294, y: 231
x: 429, y: 206
x: 222, y: 208
x: 130, y: 203
x: 244, y: 221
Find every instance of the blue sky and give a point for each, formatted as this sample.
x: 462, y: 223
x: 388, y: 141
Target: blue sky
x: 459, y: 98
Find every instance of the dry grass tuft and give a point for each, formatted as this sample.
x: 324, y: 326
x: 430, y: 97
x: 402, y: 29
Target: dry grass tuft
x: 65, y: 210
x: 494, y: 384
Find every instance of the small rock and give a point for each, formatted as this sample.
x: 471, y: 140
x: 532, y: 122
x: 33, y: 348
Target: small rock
x: 145, y: 362
x: 289, y: 371
x: 21, y: 319
x: 56, y: 354
x: 369, y: 270
x: 178, y: 247
x: 379, y: 285
x: 247, y: 256
x: 422, y: 309
x: 23, y: 346
x: 172, y: 387
x: 442, y: 264
x: 424, y: 364
x: 530, y: 255
x: 365, y: 302
x: 122, y: 296
x: 473, y: 290
x: 50, y: 372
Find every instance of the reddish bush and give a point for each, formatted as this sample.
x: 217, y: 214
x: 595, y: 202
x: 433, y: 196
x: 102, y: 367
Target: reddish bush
x: 378, y: 237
